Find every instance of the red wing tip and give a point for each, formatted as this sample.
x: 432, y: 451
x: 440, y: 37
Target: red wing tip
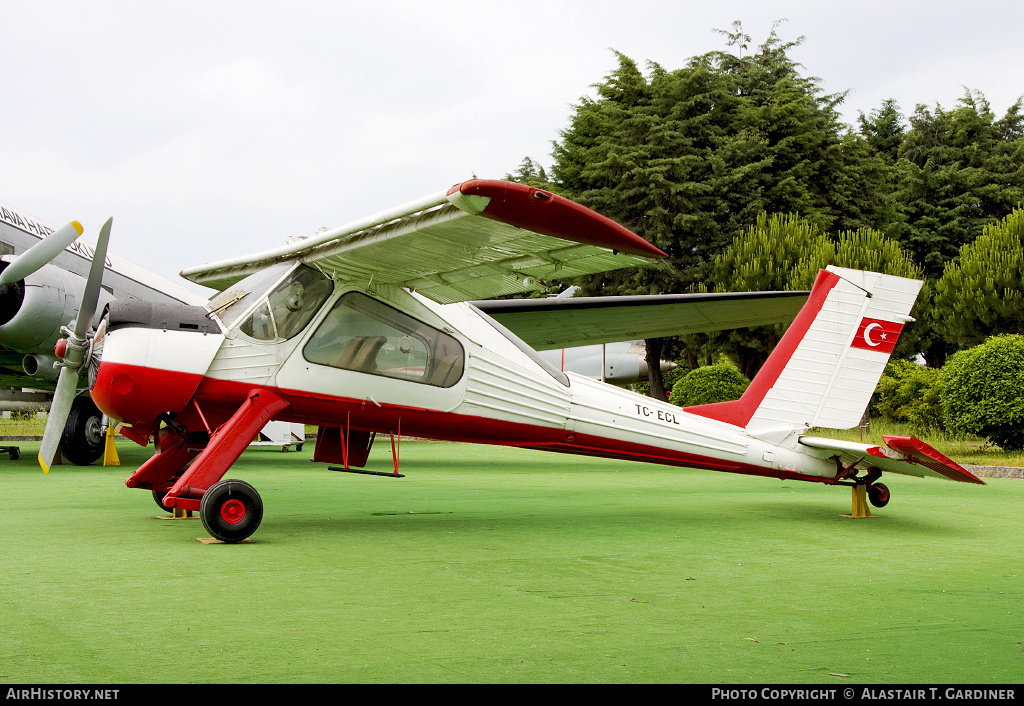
x: 512, y: 203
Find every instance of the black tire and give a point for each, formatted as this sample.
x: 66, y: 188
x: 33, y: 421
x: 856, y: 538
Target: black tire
x: 158, y: 496
x: 231, y: 510
x: 82, y: 441
x: 878, y: 494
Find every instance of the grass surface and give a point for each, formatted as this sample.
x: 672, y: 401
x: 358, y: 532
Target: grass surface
x: 502, y: 565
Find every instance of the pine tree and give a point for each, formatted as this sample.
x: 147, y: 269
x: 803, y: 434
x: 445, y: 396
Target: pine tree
x: 982, y: 293
x: 690, y: 158
x: 958, y: 171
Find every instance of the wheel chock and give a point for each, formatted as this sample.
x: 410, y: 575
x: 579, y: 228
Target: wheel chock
x: 177, y: 513
x: 860, y: 509
x: 110, y: 457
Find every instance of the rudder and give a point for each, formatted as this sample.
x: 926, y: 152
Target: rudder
x: 825, y: 369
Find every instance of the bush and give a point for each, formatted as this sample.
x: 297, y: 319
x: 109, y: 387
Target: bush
x: 713, y: 383
x: 982, y: 391
x: 908, y: 392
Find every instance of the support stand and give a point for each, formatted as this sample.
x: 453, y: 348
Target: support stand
x: 110, y: 457
x: 860, y: 509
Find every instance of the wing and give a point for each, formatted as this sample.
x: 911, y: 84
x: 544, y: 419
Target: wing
x: 547, y: 324
x: 905, y: 455
x: 479, y: 239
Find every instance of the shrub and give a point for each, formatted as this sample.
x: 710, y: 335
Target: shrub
x: 713, y: 383
x: 908, y: 392
x: 982, y: 391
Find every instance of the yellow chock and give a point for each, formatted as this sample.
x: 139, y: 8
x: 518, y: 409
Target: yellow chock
x: 860, y: 503
x: 110, y: 457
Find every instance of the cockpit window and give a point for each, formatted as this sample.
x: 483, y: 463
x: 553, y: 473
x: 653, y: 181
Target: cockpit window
x: 236, y: 300
x: 290, y: 306
x: 368, y: 336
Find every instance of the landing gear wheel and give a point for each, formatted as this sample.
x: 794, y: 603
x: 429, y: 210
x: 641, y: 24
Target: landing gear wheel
x: 158, y: 496
x: 878, y: 494
x: 231, y: 510
x: 82, y: 440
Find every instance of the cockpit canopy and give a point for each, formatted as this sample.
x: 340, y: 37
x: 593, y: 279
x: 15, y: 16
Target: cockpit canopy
x: 282, y: 312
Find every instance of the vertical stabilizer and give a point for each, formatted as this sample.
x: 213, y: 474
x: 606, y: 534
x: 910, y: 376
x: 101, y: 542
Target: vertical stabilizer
x: 825, y: 369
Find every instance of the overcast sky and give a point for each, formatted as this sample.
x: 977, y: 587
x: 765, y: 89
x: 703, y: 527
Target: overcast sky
x: 218, y: 128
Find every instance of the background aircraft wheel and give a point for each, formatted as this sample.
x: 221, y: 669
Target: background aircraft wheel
x: 158, y: 496
x: 231, y: 510
x: 82, y: 440
x: 878, y: 494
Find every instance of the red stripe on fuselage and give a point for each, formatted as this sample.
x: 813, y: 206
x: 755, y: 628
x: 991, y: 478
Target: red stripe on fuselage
x: 219, y: 399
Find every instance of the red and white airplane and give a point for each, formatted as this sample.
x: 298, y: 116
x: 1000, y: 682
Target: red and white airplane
x: 377, y: 328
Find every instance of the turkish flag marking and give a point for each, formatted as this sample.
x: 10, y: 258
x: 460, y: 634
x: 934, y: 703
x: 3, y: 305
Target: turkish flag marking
x: 877, y: 335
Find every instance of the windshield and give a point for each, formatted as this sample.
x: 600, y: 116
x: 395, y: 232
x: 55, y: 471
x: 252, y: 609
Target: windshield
x: 235, y: 300
x: 290, y: 306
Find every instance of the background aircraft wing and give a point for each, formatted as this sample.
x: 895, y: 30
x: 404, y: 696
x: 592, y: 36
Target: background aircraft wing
x: 479, y: 239
x: 547, y: 324
x: 901, y: 454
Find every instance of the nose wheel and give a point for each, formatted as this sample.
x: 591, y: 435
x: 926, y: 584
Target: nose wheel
x: 231, y: 510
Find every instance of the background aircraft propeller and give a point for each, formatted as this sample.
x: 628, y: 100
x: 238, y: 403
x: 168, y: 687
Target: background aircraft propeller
x: 41, y: 253
x: 75, y: 353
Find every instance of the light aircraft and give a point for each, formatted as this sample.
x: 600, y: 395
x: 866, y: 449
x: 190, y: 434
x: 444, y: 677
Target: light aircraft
x: 377, y: 328
x: 620, y: 363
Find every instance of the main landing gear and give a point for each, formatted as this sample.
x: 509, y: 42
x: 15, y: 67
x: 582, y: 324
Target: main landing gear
x: 866, y: 490
x: 231, y: 510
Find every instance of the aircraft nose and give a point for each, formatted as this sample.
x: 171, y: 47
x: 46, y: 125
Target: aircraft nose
x: 148, y: 360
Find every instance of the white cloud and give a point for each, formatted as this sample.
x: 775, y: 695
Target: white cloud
x: 214, y: 128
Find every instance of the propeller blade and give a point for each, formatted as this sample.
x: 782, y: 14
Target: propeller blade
x: 92, y: 285
x: 41, y: 253
x: 74, y: 355
x: 60, y: 408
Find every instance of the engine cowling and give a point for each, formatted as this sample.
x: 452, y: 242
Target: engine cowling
x: 32, y: 310
x: 148, y: 359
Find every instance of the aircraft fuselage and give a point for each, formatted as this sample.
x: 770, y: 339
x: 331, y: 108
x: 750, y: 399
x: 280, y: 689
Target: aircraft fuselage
x: 391, y: 361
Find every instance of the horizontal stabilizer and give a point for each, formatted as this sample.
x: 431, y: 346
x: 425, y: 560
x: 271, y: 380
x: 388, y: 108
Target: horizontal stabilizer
x: 905, y: 455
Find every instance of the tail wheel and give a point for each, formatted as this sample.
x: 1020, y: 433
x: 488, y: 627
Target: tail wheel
x: 878, y: 494
x: 231, y: 510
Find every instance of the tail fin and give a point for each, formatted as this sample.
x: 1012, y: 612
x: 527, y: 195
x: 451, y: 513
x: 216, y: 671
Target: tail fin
x: 825, y: 369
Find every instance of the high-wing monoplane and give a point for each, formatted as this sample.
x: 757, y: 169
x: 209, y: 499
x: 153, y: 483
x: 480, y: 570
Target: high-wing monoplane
x: 380, y: 328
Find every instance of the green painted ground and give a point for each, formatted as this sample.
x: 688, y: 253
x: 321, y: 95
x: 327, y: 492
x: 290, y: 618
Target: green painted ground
x: 498, y: 565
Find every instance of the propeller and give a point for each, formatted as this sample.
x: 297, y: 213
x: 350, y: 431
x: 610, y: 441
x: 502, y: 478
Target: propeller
x: 41, y: 253
x: 75, y: 353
